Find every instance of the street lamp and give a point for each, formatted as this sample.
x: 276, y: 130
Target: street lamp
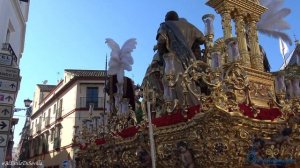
x: 28, y: 109
x: 27, y: 102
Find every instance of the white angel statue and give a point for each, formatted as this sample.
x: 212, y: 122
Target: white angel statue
x: 120, y: 59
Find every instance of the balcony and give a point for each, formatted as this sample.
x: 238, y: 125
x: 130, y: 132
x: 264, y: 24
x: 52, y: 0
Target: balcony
x: 47, y: 123
x: 38, y: 127
x: 58, y: 114
x: 56, y: 143
x: 36, y: 147
x: 96, y: 101
x: 45, y: 147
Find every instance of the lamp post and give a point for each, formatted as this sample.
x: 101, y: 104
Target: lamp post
x: 27, y: 103
x: 25, y: 134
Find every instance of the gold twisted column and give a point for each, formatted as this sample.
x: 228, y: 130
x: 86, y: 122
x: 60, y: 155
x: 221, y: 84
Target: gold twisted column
x: 241, y: 37
x: 256, y: 57
x: 226, y: 24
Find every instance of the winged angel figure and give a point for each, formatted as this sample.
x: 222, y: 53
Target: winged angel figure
x: 120, y: 58
x: 272, y: 22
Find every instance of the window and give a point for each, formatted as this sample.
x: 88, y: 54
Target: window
x: 60, y: 104
x: 45, y: 143
x: 48, y: 116
x: 56, y: 143
x: 44, y: 116
x: 39, y: 140
x: 54, y: 109
x: 57, y: 132
x: 92, y: 96
x: 52, y: 134
x: 47, y: 137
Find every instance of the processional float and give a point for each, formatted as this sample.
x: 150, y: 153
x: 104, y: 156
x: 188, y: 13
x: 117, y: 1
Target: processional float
x: 243, y: 116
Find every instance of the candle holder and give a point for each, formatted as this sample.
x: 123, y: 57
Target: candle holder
x: 216, y: 59
x: 170, y: 72
x: 208, y: 20
x: 232, y: 49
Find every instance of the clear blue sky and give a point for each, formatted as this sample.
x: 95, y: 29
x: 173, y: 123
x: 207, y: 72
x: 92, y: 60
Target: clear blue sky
x: 70, y: 34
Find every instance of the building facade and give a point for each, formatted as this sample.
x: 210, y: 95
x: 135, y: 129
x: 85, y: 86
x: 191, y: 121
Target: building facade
x: 58, y: 113
x: 13, y: 18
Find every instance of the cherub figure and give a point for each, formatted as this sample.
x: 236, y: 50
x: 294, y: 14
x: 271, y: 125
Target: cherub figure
x: 186, y: 156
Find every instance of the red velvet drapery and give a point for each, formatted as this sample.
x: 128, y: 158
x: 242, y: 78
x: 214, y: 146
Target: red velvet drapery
x: 177, y: 117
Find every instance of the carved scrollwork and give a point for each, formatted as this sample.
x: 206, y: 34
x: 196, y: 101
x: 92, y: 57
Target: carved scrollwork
x: 258, y: 89
x: 199, y: 73
x: 272, y: 152
x: 244, y: 134
x: 236, y: 77
x: 167, y: 154
x: 129, y: 157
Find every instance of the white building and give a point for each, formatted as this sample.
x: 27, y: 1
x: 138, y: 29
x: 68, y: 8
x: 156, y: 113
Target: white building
x: 58, y: 110
x: 13, y: 18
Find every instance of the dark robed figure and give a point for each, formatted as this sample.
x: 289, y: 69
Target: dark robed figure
x: 178, y: 43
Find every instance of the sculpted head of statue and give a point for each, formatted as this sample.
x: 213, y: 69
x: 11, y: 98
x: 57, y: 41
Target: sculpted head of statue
x: 171, y: 16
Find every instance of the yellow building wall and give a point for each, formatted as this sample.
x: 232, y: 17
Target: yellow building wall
x: 72, y: 115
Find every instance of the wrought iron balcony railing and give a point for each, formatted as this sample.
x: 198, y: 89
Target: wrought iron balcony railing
x: 56, y: 143
x: 47, y: 123
x: 58, y: 113
x: 39, y: 127
x: 36, y: 148
x: 85, y: 102
x: 45, y: 147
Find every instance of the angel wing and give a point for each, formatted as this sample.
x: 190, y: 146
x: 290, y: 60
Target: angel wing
x: 126, y: 50
x: 114, y: 62
x: 120, y: 59
x: 272, y: 22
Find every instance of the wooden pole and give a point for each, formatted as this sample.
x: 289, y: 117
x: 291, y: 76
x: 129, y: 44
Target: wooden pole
x: 151, y: 136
